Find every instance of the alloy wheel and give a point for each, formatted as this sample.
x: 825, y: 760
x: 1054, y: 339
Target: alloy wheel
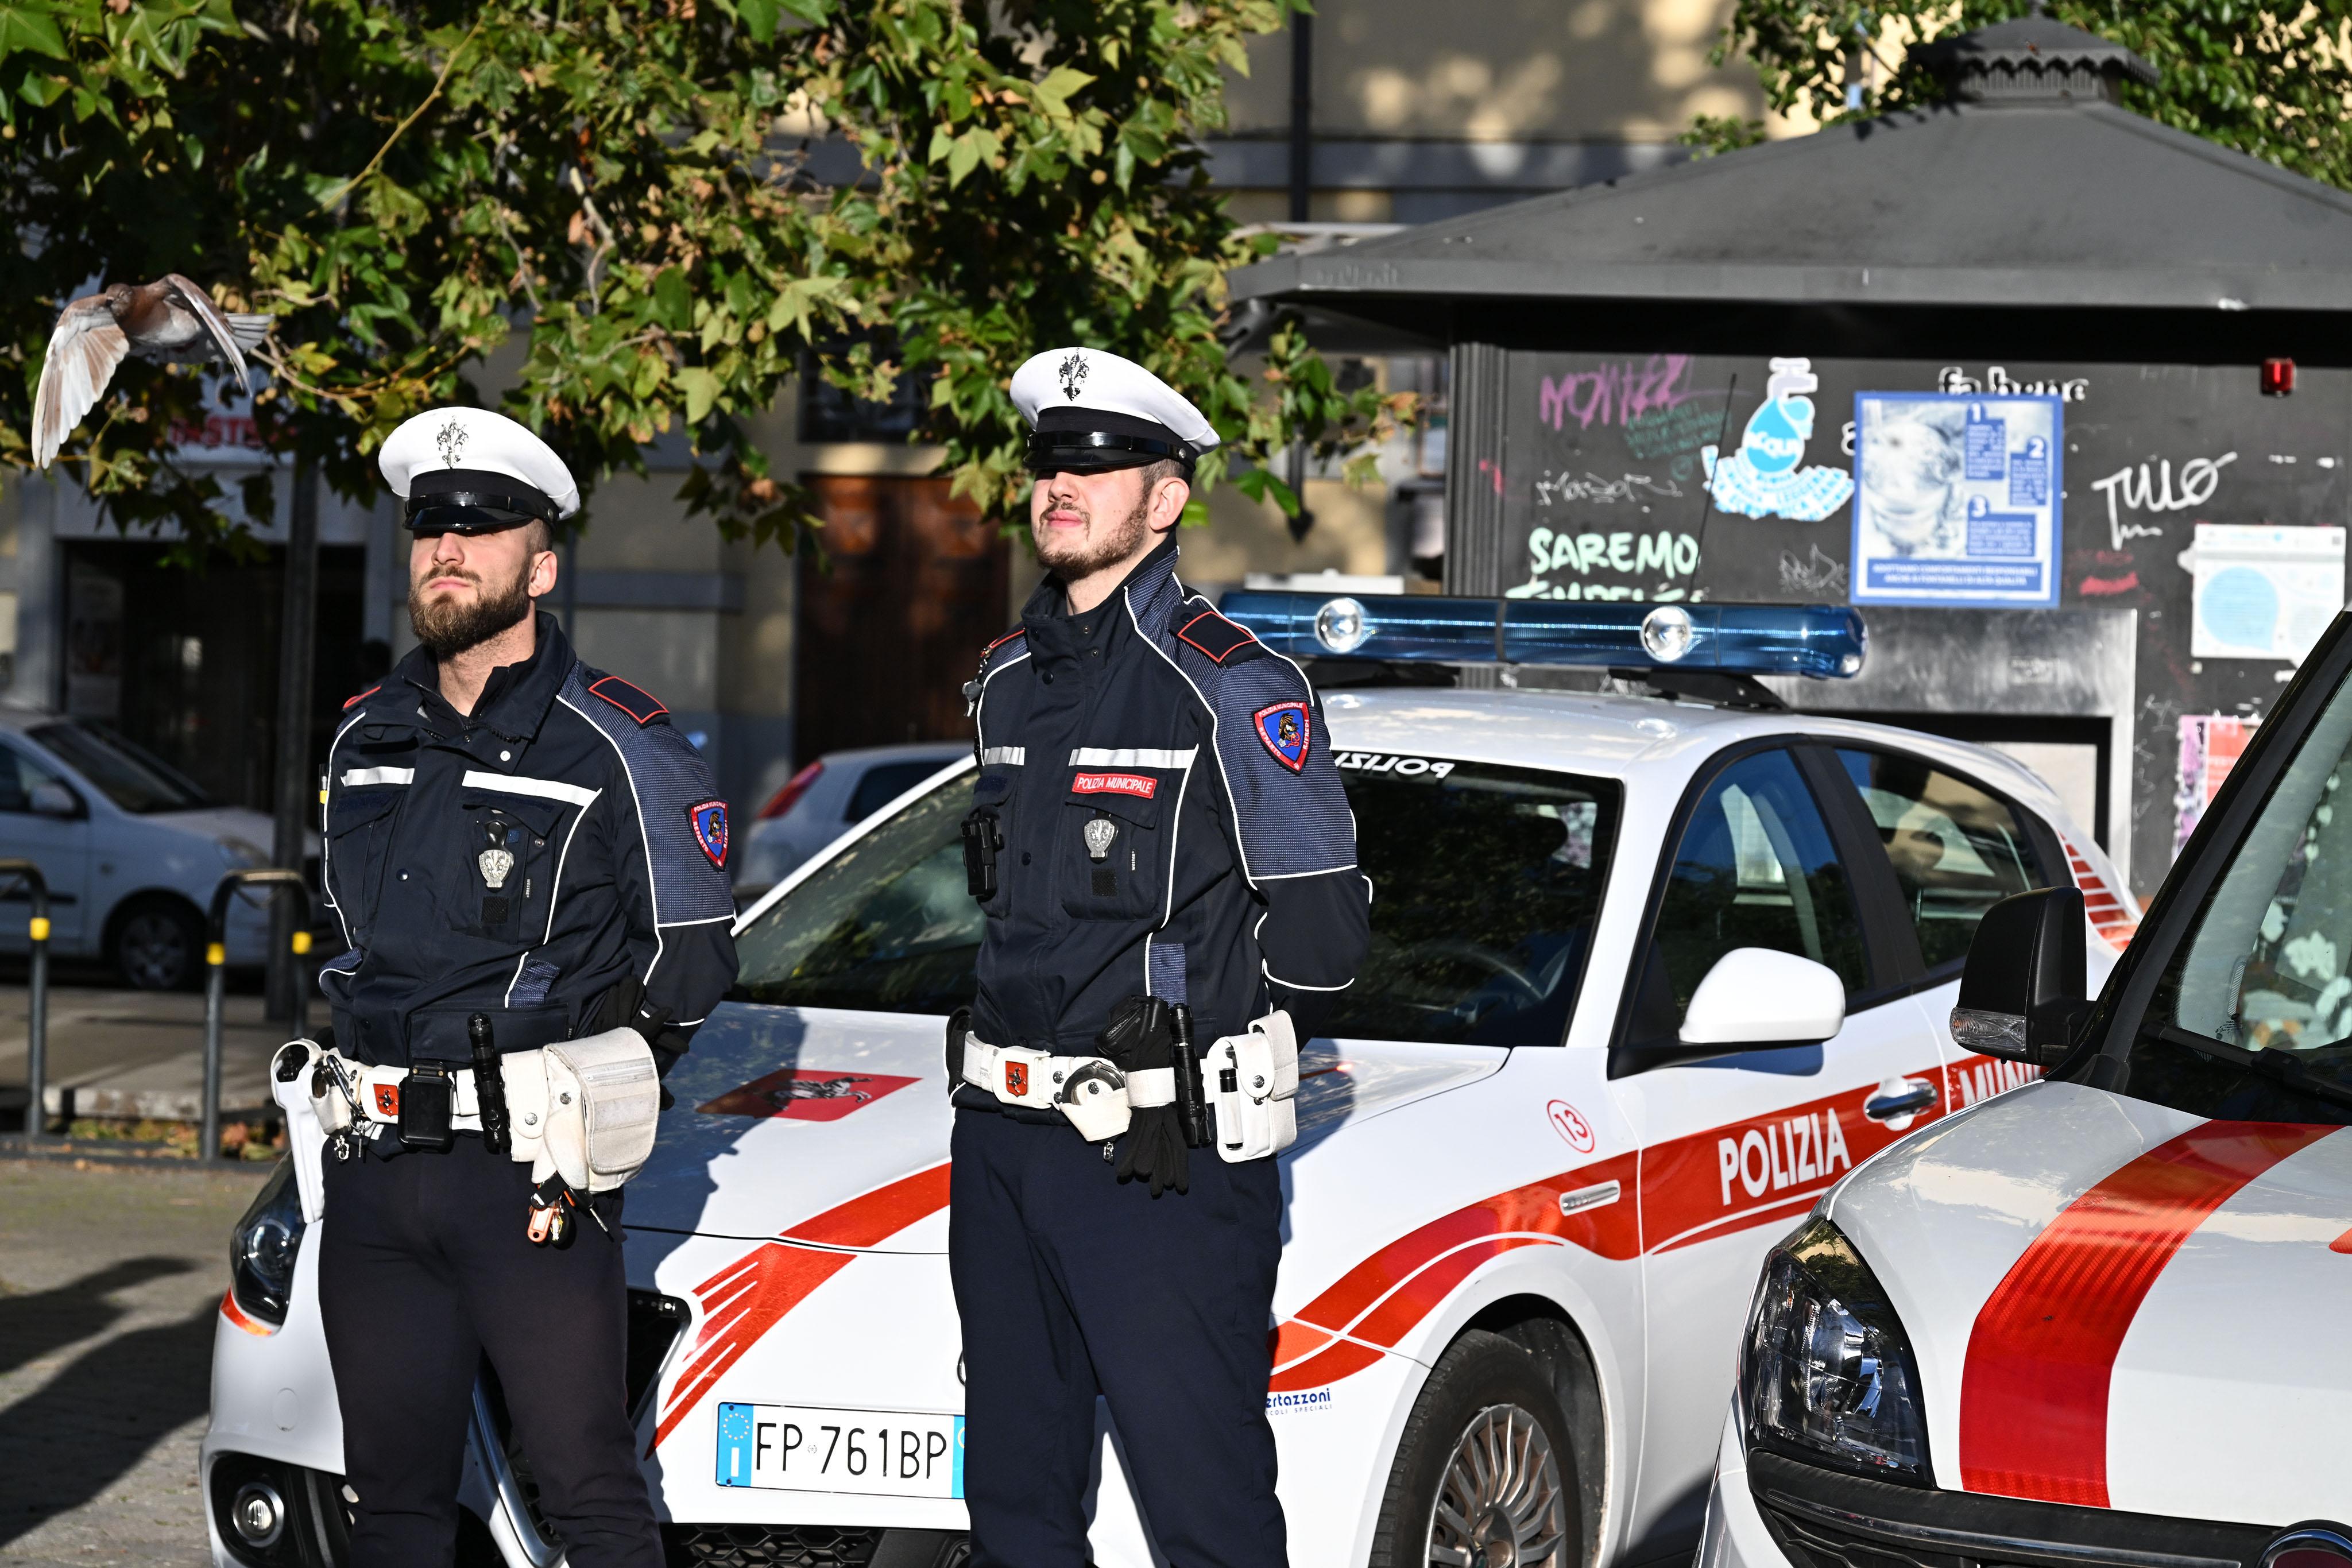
x: 1500, y: 1503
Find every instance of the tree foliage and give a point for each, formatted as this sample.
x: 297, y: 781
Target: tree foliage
x: 2272, y: 80
x: 672, y: 204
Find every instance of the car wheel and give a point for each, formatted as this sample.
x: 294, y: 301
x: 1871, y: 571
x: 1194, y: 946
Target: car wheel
x: 1484, y: 1474
x: 159, y: 946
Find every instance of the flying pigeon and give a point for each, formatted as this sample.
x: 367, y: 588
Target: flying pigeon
x: 169, y: 320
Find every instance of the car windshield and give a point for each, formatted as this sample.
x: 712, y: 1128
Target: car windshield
x: 134, y: 778
x: 1488, y: 882
x: 2251, y: 1019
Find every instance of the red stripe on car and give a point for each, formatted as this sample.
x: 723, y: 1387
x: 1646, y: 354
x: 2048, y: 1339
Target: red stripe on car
x: 1682, y: 1192
x: 749, y: 1296
x: 2042, y: 1355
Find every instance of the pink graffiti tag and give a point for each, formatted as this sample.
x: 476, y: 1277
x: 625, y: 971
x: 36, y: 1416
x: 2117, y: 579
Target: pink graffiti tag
x: 1488, y: 466
x: 1615, y: 393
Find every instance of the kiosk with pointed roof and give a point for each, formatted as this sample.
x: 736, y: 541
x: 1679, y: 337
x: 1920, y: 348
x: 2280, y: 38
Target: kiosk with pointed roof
x: 2026, y: 234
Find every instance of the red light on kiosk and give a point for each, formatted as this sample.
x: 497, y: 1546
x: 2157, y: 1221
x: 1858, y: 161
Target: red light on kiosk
x: 2278, y: 376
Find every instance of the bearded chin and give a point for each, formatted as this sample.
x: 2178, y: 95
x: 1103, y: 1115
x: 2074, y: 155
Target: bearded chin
x: 448, y: 627
x: 1079, y: 558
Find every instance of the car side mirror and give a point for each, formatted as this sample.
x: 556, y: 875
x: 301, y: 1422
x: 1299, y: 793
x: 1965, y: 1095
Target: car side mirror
x: 1759, y: 996
x: 2024, y: 984
x: 1753, y: 998
x: 51, y: 799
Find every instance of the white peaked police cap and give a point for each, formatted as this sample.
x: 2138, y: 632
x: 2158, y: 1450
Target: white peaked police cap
x: 470, y: 471
x: 1088, y: 410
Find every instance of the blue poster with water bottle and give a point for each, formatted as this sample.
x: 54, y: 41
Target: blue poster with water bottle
x: 1767, y: 477
x: 1957, y: 499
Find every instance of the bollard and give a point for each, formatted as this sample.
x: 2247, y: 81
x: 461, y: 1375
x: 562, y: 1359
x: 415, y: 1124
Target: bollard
x: 278, y: 880
x: 36, y: 1010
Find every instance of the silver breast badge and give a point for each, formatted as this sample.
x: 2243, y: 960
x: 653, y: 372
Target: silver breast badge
x: 494, y: 865
x: 1099, y: 831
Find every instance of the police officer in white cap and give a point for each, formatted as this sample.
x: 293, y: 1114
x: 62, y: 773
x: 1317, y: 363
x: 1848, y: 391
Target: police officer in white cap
x: 1167, y: 863
x: 530, y: 865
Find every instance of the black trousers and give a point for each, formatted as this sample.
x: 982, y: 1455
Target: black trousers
x: 424, y: 1268
x: 1070, y: 1285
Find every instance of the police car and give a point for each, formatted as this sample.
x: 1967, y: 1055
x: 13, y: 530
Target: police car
x: 2099, y: 1320
x: 1649, y: 974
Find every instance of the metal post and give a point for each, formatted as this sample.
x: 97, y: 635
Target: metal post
x: 216, y: 996
x: 1302, y: 115
x: 289, y: 887
x: 295, y: 788
x: 36, y: 1011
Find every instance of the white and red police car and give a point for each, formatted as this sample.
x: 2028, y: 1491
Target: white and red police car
x: 1647, y: 976
x: 2098, y: 1322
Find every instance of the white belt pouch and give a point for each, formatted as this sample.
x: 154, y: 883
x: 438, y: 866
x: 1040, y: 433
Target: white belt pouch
x: 602, y: 1106
x: 1253, y: 1081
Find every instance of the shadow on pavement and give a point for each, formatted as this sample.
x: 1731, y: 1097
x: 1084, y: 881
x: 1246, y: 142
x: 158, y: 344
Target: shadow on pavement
x: 98, y: 1417
x: 32, y: 1325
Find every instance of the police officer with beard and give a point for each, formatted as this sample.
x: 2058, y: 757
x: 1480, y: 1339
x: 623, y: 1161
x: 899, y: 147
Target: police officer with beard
x: 518, y: 839
x: 1167, y: 863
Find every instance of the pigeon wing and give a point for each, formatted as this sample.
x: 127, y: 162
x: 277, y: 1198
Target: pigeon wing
x: 83, y: 353
x: 187, y: 294
x: 249, y: 330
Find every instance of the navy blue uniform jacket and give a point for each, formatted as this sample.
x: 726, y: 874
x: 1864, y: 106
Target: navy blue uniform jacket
x: 616, y: 880
x: 1172, y: 824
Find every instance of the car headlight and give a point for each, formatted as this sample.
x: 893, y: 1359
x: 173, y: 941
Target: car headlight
x: 263, y: 1247
x: 1826, y: 1371
x: 242, y: 854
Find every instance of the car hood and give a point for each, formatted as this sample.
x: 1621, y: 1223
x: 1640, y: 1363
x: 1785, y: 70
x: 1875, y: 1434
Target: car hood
x: 831, y: 1128
x: 225, y: 821
x: 2115, y: 1304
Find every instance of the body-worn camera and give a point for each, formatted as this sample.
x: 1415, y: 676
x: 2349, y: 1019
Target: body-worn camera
x: 428, y: 1109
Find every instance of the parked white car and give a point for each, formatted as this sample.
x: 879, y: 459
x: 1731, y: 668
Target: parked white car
x: 1646, y: 977
x: 132, y: 850
x: 827, y: 799
x: 2098, y: 1322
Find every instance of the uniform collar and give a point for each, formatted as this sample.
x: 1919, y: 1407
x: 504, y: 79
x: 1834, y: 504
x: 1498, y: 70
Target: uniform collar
x: 1050, y: 602
x: 516, y: 697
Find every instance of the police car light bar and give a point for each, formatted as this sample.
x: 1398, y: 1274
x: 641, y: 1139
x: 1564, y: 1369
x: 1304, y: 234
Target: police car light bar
x: 1816, y: 640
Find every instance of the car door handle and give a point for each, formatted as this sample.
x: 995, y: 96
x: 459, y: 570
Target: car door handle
x: 1899, y: 1098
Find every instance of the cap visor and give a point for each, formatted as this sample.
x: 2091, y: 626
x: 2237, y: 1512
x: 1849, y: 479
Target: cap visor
x: 431, y: 519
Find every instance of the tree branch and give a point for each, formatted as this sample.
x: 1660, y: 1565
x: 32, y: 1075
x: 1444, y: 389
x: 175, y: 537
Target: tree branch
x: 342, y: 192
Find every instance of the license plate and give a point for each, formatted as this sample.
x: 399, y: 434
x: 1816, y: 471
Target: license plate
x: 812, y: 1447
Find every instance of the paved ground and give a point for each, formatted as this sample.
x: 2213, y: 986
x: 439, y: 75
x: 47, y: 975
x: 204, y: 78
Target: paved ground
x: 135, y: 1053
x: 110, y: 1279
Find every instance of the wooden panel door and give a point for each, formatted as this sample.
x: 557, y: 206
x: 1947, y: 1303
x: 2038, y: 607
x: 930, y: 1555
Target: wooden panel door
x: 906, y: 588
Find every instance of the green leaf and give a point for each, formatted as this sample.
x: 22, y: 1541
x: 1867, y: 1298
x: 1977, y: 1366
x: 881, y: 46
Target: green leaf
x: 758, y: 18
x: 701, y: 389
x: 673, y: 307
x: 1053, y: 94
x: 963, y: 156
x: 28, y: 27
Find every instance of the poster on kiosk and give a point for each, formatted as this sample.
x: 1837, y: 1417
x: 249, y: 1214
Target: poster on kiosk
x: 1956, y: 499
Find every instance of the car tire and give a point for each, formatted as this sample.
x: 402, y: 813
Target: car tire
x: 1485, y: 1473
x: 157, y: 944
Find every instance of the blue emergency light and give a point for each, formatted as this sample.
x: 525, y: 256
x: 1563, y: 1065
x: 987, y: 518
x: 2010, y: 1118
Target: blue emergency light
x: 1816, y: 640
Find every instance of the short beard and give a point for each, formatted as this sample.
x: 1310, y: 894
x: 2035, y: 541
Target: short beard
x: 1081, y: 558
x: 450, y: 627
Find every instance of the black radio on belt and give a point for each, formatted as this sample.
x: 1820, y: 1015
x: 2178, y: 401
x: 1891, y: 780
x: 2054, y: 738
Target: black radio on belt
x: 428, y: 1107
x: 982, y: 840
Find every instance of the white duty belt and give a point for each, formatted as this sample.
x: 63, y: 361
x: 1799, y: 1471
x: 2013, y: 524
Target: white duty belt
x: 1097, y: 1097
x: 586, y: 1109
x: 1248, y: 1081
